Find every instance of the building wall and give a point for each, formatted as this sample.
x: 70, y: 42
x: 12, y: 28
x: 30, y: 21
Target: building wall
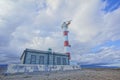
x: 61, y: 60
x: 53, y: 59
x: 28, y: 58
x: 49, y: 58
x: 22, y: 59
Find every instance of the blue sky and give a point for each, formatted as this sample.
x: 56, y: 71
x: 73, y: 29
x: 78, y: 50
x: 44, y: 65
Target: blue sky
x: 112, y: 5
x: 94, y: 30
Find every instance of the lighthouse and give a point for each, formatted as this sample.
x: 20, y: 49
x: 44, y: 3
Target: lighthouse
x: 66, y: 40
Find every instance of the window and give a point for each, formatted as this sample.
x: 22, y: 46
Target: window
x: 33, y: 59
x: 41, y: 59
x: 58, y: 61
x: 64, y: 61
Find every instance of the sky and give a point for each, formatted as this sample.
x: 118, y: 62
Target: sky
x: 94, y: 33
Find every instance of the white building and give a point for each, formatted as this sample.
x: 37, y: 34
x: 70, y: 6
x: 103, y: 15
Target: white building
x: 32, y: 56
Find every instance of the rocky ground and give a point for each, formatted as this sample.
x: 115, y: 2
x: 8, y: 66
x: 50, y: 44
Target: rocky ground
x: 83, y: 74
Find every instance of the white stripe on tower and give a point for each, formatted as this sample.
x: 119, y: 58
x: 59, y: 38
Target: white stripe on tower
x: 66, y: 41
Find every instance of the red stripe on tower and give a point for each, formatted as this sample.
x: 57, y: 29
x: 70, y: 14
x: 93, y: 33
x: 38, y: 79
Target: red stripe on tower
x: 65, y: 33
x: 66, y: 43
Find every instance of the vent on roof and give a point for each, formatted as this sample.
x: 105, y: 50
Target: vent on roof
x: 50, y: 50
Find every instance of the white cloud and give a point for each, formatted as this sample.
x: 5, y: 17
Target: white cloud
x: 37, y: 24
x: 107, y: 55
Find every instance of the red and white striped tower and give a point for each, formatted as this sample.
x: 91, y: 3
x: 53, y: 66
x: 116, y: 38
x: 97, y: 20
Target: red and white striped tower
x: 66, y: 41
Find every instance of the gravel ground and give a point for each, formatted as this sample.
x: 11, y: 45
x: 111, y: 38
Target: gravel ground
x: 84, y: 74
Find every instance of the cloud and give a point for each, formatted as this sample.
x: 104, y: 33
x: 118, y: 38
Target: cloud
x: 37, y: 24
x: 91, y: 28
x: 107, y: 55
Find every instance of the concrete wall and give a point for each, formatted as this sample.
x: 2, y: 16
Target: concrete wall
x: 20, y: 68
